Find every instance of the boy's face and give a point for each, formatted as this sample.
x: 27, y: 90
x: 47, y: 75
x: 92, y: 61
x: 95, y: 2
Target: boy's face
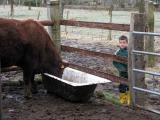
x: 123, y: 44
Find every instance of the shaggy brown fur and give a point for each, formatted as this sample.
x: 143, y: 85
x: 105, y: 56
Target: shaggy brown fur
x: 27, y: 44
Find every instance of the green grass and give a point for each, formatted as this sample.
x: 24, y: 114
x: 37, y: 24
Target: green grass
x: 108, y: 96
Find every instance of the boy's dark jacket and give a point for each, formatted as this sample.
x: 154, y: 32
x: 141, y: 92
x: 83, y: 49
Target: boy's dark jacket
x: 122, y: 68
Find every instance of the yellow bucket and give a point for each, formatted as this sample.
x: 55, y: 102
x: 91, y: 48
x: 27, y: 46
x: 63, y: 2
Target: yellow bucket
x: 124, y: 94
x: 124, y: 98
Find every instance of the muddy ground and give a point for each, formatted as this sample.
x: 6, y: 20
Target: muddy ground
x: 45, y: 106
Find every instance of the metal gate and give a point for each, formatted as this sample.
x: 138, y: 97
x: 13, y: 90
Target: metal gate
x: 134, y: 71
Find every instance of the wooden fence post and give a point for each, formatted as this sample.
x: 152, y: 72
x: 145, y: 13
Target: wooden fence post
x: 136, y: 42
x: 55, y: 16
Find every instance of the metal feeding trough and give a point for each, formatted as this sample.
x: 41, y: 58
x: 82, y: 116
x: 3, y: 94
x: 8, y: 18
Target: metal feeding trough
x: 74, y: 86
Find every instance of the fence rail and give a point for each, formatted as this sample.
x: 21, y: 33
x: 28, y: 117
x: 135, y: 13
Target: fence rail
x: 146, y: 33
x: 144, y: 52
x: 94, y: 54
x: 145, y: 90
x: 98, y: 25
x: 147, y: 72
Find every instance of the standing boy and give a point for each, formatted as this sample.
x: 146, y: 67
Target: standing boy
x: 122, y: 52
x: 123, y: 69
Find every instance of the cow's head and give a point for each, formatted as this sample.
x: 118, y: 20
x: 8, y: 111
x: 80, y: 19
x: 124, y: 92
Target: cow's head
x: 59, y: 70
x: 53, y: 63
x: 54, y: 66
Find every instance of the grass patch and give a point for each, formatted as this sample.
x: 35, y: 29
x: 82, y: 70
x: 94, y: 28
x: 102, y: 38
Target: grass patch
x: 111, y: 97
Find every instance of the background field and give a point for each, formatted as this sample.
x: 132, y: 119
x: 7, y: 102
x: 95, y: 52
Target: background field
x: 83, y: 35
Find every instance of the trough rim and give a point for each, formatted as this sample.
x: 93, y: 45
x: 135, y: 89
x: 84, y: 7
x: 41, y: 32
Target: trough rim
x: 78, y: 84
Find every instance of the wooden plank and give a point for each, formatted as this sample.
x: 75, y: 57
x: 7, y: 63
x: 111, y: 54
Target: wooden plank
x: 94, y: 54
x: 109, y: 26
x: 98, y: 25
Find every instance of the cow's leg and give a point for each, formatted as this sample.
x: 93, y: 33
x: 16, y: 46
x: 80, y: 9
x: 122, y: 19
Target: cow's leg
x: 34, y: 86
x: 27, y: 76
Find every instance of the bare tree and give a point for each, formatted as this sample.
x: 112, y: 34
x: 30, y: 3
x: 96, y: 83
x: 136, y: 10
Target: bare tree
x: 141, y: 6
x: 110, y: 20
x: 12, y: 8
x: 29, y: 5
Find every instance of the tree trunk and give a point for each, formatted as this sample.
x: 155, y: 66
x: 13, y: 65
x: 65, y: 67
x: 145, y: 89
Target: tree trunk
x: 29, y: 7
x: 12, y: 8
x: 62, y: 4
x: 4, y: 3
x: 149, y: 42
x: 36, y: 3
x: 141, y: 6
x: 19, y: 2
x: 110, y: 20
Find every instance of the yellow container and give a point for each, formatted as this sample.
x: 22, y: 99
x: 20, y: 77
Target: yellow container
x: 124, y: 94
x: 124, y: 98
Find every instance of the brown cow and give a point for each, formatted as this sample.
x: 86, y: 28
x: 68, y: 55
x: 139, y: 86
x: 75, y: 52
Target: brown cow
x: 27, y: 44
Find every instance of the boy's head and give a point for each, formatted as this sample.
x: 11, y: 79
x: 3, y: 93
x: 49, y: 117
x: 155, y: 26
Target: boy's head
x: 123, y: 42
